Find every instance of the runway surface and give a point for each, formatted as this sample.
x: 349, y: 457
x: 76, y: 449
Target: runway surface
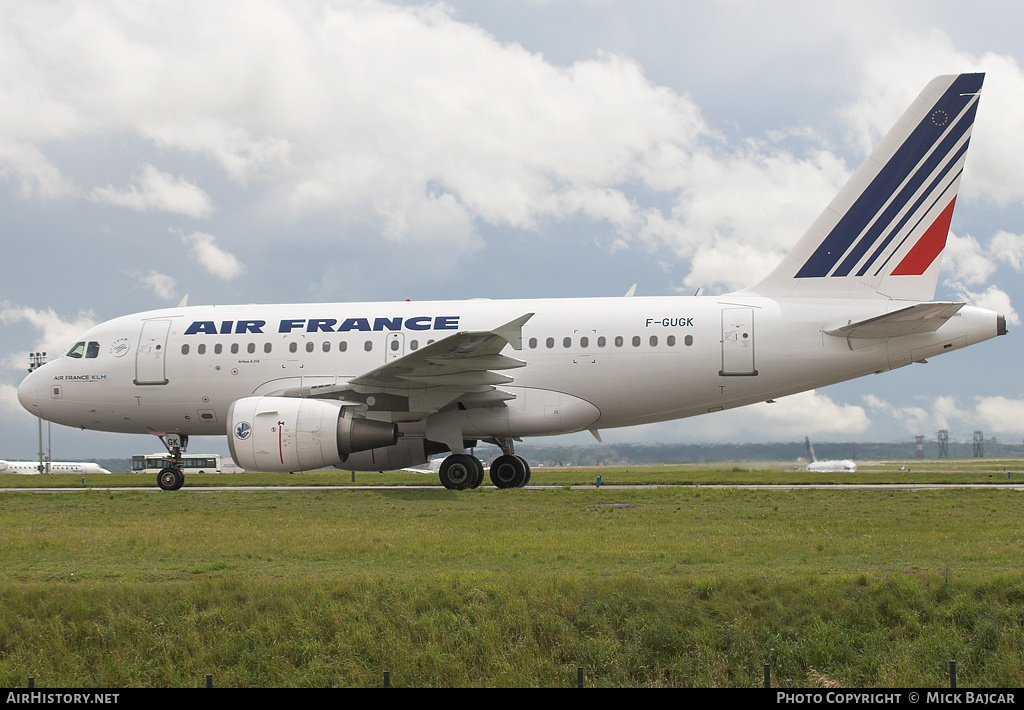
x: 610, y: 487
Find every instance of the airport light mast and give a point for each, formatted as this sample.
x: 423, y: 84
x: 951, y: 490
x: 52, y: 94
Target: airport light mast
x: 36, y: 360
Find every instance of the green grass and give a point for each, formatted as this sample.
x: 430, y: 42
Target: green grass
x: 669, y: 587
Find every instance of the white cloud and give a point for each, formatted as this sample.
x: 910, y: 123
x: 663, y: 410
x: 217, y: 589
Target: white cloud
x: 993, y: 298
x: 9, y: 399
x: 38, y: 177
x: 1000, y: 414
x: 965, y: 260
x: 156, y: 190
x: 402, y: 118
x: 899, y: 67
x: 56, y: 335
x: 805, y: 414
x: 160, y: 284
x: 215, y: 260
x: 1009, y: 249
x: 991, y: 414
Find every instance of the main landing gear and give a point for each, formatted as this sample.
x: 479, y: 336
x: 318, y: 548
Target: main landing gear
x: 461, y: 471
x: 170, y: 477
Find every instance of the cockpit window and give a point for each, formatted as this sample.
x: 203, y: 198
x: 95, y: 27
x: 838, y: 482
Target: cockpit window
x: 77, y: 350
x: 93, y: 349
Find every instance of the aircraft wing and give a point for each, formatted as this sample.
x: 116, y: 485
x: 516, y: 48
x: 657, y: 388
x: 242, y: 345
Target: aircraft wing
x: 919, y: 318
x: 462, y: 366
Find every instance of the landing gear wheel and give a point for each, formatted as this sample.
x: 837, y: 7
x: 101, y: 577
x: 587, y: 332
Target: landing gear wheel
x: 529, y: 473
x: 170, y: 479
x: 458, y: 471
x: 508, y: 471
x: 478, y: 477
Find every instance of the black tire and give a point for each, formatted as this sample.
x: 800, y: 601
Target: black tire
x: 507, y: 471
x: 478, y: 477
x: 170, y: 479
x: 529, y: 473
x: 457, y: 472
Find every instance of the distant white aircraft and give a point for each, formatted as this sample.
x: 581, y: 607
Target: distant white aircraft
x: 836, y: 466
x: 380, y: 386
x: 30, y: 467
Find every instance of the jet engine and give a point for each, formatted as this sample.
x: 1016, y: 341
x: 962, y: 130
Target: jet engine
x: 297, y: 434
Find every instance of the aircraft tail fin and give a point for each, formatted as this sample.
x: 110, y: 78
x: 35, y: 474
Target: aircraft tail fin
x: 810, y: 450
x: 883, y: 234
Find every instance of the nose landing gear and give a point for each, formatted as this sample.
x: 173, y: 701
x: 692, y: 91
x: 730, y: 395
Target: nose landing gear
x: 170, y: 477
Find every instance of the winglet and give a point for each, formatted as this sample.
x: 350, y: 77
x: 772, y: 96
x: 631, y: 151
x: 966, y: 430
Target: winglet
x: 512, y: 332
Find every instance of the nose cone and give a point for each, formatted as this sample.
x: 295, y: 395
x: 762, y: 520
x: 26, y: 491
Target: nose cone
x: 28, y: 393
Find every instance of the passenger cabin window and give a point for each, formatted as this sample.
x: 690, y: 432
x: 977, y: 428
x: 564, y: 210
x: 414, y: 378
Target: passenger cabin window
x: 77, y: 350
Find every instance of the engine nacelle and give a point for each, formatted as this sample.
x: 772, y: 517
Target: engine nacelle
x: 297, y: 434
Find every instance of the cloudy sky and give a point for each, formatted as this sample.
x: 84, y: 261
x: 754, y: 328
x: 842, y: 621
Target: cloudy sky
x: 316, y: 150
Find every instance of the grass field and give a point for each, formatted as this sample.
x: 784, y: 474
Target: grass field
x: 670, y: 586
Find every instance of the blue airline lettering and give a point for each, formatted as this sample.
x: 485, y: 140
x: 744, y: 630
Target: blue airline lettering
x: 350, y: 324
x: 249, y: 326
x: 320, y: 325
x: 326, y: 325
x: 202, y: 326
x: 389, y: 323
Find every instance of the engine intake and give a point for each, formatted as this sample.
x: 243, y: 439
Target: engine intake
x: 296, y: 434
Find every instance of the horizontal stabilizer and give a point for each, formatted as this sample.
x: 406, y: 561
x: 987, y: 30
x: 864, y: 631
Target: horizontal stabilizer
x: 920, y: 318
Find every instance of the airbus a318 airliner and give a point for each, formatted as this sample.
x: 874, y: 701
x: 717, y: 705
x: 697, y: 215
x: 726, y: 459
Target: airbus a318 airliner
x: 381, y: 386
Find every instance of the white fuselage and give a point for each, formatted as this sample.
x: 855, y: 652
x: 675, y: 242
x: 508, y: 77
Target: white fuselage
x: 590, y: 363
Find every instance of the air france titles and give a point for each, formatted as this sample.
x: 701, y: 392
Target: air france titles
x: 324, y: 325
